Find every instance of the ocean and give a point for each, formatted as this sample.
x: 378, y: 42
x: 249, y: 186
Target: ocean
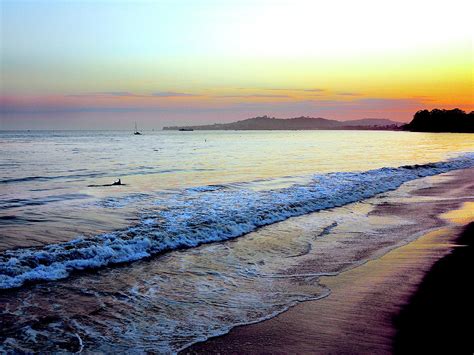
x: 210, y: 229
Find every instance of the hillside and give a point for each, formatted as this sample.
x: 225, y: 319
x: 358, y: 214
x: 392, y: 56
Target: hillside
x: 298, y: 123
x: 437, y: 120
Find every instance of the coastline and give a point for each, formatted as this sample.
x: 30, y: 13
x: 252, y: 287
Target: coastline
x: 366, y: 310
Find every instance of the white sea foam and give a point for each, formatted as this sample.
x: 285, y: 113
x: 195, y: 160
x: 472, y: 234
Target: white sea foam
x: 204, y: 215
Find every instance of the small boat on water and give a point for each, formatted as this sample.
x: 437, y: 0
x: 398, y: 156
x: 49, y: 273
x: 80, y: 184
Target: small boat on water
x: 186, y: 129
x: 136, y: 133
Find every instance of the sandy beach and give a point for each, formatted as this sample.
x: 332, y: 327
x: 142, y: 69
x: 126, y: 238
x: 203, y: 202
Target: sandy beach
x: 437, y: 317
x: 372, y: 305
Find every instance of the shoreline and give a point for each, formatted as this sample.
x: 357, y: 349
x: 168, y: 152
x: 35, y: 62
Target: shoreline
x: 360, y: 315
x: 444, y: 297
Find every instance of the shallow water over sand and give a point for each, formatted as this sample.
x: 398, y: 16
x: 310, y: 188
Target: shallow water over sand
x: 168, y: 302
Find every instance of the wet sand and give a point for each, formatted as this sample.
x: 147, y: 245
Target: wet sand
x: 367, y: 308
x: 439, y: 315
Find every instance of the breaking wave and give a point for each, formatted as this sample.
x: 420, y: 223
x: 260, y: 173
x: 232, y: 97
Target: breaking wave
x: 208, y: 214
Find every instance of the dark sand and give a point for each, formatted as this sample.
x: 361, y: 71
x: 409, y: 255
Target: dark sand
x: 439, y: 316
x: 411, y: 299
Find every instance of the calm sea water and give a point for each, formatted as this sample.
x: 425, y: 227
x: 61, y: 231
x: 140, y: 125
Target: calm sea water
x: 87, y: 266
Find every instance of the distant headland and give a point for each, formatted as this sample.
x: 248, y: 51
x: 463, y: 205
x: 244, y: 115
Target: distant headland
x: 298, y: 123
x: 437, y: 120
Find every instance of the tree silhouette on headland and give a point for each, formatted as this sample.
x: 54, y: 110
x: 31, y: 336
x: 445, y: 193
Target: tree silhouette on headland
x: 436, y: 120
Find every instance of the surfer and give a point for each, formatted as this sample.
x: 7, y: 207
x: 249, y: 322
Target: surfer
x: 117, y: 182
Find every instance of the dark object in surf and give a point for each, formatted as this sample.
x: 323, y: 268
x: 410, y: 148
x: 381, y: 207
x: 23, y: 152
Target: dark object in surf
x: 115, y: 183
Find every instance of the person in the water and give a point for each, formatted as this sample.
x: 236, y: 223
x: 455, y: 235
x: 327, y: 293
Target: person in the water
x: 115, y: 183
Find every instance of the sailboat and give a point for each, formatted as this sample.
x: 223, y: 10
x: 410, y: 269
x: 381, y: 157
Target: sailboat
x: 136, y: 131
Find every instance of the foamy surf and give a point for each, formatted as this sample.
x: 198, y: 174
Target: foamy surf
x: 208, y: 214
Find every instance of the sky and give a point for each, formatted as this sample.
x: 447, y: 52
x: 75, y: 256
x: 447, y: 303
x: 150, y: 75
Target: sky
x: 106, y: 64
